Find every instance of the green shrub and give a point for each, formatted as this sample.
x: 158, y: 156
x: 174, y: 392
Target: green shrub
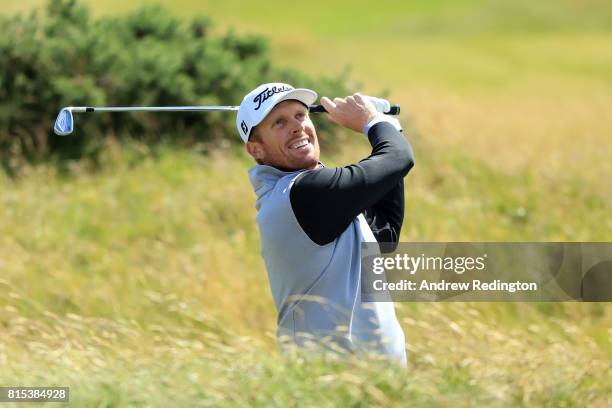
x: 63, y: 57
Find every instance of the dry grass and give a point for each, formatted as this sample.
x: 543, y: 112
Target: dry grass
x: 141, y: 285
x: 460, y: 355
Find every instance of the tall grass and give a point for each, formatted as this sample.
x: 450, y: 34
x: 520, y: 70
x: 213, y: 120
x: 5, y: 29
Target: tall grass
x: 141, y: 285
x: 458, y: 357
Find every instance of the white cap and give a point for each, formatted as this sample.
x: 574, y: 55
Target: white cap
x: 259, y: 102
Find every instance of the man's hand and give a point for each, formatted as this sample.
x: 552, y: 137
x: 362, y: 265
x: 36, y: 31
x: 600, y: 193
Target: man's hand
x: 352, y: 112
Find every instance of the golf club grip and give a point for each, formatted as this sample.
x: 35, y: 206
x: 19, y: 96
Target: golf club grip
x: 393, y: 110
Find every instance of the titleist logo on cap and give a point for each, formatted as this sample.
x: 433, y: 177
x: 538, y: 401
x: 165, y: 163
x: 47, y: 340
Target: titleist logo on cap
x: 267, y: 93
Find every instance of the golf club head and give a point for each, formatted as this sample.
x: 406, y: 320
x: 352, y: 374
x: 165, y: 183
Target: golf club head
x: 64, y: 124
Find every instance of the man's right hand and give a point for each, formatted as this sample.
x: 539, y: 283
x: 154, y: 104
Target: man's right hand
x: 352, y: 112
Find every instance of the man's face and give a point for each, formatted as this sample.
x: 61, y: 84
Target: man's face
x: 287, y: 138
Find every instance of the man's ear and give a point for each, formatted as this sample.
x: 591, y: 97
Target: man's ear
x: 254, y: 149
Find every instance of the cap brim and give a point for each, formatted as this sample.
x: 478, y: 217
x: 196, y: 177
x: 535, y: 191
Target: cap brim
x: 306, y: 96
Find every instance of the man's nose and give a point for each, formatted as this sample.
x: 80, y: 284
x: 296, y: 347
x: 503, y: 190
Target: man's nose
x: 297, y: 126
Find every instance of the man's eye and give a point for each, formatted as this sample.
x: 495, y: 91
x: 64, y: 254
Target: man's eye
x: 279, y: 122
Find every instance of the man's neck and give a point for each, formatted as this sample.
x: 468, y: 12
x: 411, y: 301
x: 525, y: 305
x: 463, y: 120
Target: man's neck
x: 317, y: 166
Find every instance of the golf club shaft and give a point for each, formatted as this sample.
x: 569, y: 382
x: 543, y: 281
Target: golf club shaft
x: 151, y: 108
x: 394, y: 109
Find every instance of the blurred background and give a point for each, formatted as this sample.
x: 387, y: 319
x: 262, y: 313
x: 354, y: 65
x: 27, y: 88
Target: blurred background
x: 129, y: 254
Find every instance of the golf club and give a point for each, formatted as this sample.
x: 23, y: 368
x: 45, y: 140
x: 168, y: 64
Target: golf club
x: 64, y: 124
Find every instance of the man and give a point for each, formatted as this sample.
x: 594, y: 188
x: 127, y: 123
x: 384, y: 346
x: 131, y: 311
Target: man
x: 312, y: 219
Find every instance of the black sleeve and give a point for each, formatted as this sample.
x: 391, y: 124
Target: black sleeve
x: 386, y: 217
x: 326, y: 200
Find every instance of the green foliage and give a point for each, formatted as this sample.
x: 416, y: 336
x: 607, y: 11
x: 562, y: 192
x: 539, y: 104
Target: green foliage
x: 63, y: 57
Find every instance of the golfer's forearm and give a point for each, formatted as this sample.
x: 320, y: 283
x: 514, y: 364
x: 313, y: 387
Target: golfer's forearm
x: 386, y: 217
x: 326, y: 200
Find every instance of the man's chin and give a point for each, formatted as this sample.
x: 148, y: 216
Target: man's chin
x: 309, y: 163
x: 303, y: 164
